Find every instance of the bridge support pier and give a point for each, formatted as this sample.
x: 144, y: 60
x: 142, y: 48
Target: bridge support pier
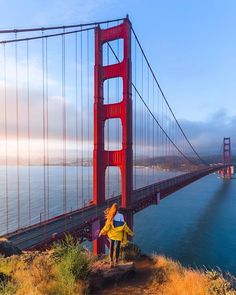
x: 122, y: 110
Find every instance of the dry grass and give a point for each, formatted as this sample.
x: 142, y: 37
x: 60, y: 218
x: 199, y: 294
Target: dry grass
x: 34, y: 278
x: 170, y: 278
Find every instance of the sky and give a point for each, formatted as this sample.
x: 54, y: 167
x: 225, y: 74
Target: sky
x: 191, y: 46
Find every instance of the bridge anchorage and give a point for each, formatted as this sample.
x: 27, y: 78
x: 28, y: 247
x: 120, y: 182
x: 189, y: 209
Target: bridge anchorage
x: 154, y: 157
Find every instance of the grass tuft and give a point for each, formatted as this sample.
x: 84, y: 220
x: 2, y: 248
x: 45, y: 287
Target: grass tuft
x: 130, y: 252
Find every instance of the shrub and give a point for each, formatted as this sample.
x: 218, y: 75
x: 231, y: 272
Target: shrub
x: 76, y: 263
x: 60, y: 249
x: 73, y: 264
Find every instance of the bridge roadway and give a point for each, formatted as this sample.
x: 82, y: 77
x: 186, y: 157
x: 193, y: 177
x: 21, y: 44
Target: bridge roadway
x: 79, y: 222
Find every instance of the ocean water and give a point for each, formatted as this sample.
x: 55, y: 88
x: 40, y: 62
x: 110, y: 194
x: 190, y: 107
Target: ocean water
x: 196, y: 225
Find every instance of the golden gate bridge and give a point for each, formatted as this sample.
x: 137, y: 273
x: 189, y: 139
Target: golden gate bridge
x: 85, y: 123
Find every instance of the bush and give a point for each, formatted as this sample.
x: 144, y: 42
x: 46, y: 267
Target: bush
x: 72, y: 260
x: 60, y: 249
x: 75, y: 263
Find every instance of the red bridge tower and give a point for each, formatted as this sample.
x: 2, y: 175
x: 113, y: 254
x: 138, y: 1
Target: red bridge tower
x: 123, y: 110
x: 226, y: 172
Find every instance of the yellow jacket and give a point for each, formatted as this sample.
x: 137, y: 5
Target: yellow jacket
x: 118, y: 233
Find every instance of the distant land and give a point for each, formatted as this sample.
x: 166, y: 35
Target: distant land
x: 162, y: 163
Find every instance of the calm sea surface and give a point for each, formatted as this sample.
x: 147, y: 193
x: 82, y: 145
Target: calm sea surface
x: 196, y: 225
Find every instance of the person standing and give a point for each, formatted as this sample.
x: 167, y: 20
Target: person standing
x: 117, y: 230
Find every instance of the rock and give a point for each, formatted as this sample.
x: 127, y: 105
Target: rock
x: 107, y: 276
x: 7, y: 248
x: 120, y: 272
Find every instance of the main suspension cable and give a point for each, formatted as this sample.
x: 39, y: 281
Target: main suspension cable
x: 46, y: 36
x: 8, y: 31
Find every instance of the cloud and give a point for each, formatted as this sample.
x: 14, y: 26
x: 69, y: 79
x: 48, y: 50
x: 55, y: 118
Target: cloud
x: 207, y: 136
x: 51, y: 91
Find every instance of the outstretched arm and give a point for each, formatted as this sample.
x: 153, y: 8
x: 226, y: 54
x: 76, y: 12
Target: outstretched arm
x: 128, y: 230
x: 105, y: 229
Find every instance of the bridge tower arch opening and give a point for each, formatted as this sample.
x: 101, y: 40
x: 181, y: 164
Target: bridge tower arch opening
x: 122, y: 158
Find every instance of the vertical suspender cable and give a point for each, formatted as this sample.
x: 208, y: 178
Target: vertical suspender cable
x: 44, y: 144
x: 108, y: 123
x: 166, y: 130
x: 119, y: 136
x: 162, y: 134
x: 171, y: 151
x: 158, y: 145
x: 47, y: 124
x: 76, y: 120
x: 117, y: 122
x: 81, y: 110
x: 135, y: 116
x: 64, y: 128
x: 160, y: 119
x: 153, y: 132
x: 148, y: 129
x: 6, y: 139
x: 158, y: 131
x: 163, y: 125
x: 17, y: 135
x: 174, y: 151
x: 142, y: 119
x: 88, y: 105
x: 178, y: 142
x: 171, y: 136
x: 28, y: 133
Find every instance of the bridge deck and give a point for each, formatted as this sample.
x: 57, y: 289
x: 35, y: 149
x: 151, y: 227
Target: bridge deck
x: 78, y: 221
